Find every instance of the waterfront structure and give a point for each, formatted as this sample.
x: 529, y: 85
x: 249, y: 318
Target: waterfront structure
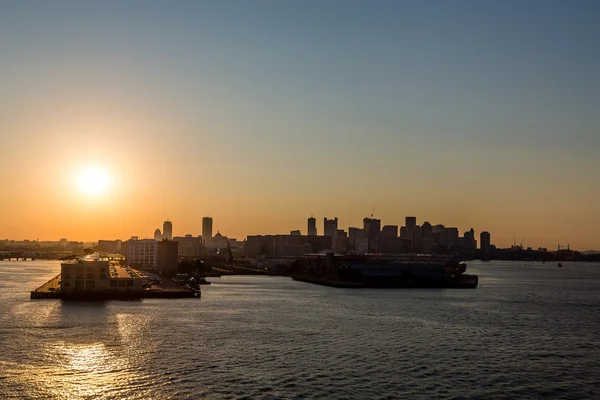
x: 486, y: 246
x: 207, y: 229
x: 340, y: 244
x: 167, y: 256
x: 188, y: 246
x: 312, y: 226
x: 426, y: 246
x: 167, y: 230
x: 109, y: 246
x: 385, y: 272
x: 157, y: 234
x: 95, y: 273
x: 142, y: 252
x: 330, y: 227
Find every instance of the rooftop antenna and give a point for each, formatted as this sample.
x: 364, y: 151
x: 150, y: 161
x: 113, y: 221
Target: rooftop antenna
x: 373, y: 212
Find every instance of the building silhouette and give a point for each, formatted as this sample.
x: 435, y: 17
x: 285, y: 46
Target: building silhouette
x: 167, y: 230
x: 469, y: 243
x: 207, y: 226
x: 167, y: 256
x: 109, y: 246
x: 389, y: 232
x: 330, y: 227
x: 312, y: 226
x: 486, y: 245
x: 157, y: 234
x: 426, y: 230
x: 142, y: 252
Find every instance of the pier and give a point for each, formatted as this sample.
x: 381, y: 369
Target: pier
x: 167, y: 289
x: 19, y: 255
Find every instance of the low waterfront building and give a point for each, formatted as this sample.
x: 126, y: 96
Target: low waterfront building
x: 109, y: 246
x: 189, y: 246
x: 167, y: 256
x: 142, y: 253
x: 95, y: 272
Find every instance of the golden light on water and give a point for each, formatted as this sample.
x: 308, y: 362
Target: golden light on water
x: 93, y: 181
x: 107, y: 364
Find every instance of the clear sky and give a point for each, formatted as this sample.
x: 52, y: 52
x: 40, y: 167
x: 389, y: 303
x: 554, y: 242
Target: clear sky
x: 480, y: 114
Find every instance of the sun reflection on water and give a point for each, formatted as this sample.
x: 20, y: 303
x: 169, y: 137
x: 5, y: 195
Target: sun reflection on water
x: 101, y: 361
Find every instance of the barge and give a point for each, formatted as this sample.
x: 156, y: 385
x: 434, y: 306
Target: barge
x: 377, y: 271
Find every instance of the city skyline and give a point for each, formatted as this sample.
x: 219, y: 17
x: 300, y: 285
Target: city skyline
x: 477, y: 114
x: 329, y: 227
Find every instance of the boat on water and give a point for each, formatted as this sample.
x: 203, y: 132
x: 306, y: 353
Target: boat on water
x: 378, y: 271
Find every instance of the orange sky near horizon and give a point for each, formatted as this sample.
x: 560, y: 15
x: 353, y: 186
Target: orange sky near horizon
x: 461, y: 116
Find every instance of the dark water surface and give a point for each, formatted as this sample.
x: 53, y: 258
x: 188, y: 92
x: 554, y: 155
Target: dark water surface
x: 527, y: 332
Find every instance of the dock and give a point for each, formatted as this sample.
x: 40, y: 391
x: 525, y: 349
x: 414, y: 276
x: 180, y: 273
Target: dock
x: 167, y: 289
x: 329, y: 282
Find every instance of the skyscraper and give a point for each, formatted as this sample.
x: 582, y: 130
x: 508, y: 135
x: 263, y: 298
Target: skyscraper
x: 167, y: 230
x: 312, y: 226
x: 372, y: 227
x: 486, y: 247
x: 330, y: 227
x: 207, y: 229
x: 389, y: 232
x: 157, y: 235
x: 470, y: 244
x: 426, y: 230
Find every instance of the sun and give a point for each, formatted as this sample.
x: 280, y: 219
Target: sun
x: 93, y: 181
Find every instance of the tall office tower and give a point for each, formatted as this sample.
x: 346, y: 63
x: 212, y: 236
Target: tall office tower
x: 410, y: 223
x: 389, y: 232
x: 450, y: 237
x: 426, y: 230
x: 372, y: 227
x: 330, y: 227
x: 167, y: 230
x: 207, y: 229
x: 157, y: 235
x: 486, y: 245
x: 470, y: 244
x: 312, y: 226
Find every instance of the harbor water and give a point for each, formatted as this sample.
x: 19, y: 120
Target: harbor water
x: 530, y: 330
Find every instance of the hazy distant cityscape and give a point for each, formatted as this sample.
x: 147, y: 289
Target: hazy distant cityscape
x: 371, y: 238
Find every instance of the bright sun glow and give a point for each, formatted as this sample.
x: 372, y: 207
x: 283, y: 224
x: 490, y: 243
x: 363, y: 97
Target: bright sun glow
x: 93, y: 181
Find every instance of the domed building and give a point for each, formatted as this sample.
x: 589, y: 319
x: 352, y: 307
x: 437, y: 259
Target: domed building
x: 219, y: 241
x: 157, y: 235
